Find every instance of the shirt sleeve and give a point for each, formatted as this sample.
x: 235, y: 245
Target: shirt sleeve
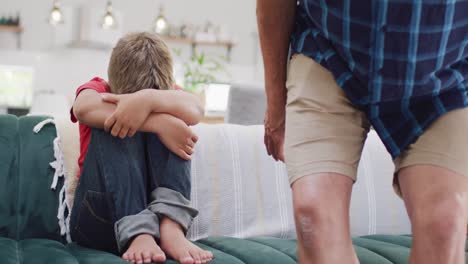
x: 95, y: 84
x: 178, y: 88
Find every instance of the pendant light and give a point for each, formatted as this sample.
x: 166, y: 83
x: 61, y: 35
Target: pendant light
x: 56, y: 15
x: 108, y: 20
x: 161, y: 25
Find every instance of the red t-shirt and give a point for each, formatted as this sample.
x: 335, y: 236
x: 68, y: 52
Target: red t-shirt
x: 100, y: 86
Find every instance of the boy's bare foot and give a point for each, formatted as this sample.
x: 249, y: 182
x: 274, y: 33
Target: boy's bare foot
x: 176, y: 245
x: 144, y: 249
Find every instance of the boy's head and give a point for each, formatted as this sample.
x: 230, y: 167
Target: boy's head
x: 140, y: 61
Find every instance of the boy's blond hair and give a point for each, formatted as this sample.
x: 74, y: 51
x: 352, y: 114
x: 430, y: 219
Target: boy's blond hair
x: 139, y: 61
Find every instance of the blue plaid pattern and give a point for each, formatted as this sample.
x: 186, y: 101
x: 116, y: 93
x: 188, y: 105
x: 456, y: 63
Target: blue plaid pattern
x: 403, y: 63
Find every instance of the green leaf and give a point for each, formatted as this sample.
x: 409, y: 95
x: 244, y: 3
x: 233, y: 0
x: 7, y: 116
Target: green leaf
x: 201, y: 59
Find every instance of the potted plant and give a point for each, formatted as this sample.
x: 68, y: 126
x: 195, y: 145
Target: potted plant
x: 201, y: 70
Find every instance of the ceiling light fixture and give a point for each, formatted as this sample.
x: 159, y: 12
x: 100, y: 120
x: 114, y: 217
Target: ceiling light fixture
x: 108, y: 20
x: 56, y: 15
x: 161, y: 25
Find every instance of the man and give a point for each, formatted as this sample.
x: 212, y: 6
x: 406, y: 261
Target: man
x: 398, y: 66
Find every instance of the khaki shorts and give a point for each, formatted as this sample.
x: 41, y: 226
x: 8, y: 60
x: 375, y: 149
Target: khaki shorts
x: 325, y: 132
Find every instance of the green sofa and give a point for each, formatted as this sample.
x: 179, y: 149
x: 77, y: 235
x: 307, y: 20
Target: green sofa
x: 29, y: 232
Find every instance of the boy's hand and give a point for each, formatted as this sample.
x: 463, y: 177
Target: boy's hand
x: 177, y: 136
x: 130, y: 114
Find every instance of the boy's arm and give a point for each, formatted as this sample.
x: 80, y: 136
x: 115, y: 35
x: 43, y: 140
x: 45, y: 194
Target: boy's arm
x: 180, y: 104
x: 90, y: 109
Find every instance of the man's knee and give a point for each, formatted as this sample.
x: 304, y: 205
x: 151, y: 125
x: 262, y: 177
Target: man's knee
x: 321, y: 203
x: 310, y: 217
x: 312, y: 207
x: 441, y: 220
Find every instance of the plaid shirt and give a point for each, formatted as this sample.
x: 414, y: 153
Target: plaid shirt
x: 403, y: 63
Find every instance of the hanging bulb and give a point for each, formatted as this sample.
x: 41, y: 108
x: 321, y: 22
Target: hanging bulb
x: 160, y: 23
x: 56, y: 15
x: 108, y: 20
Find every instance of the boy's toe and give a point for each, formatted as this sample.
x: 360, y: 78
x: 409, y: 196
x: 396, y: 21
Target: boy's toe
x: 196, y: 256
x: 138, y: 258
x: 187, y: 260
x: 209, y: 255
x: 146, y: 257
x: 131, y: 257
x: 206, y: 255
x: 158, y: 257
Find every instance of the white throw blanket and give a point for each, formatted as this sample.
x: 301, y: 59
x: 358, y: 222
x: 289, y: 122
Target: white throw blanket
x: 66, y: 153
x: 239, y: 190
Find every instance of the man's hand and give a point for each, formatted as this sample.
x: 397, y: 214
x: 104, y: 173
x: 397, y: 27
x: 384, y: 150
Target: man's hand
x: 176, y: 136
x: 275, y: 25
x: 130, y: 114
x: 274, y: 131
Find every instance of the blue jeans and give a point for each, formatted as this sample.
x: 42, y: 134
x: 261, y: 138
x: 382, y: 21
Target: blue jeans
x: 125, y: 186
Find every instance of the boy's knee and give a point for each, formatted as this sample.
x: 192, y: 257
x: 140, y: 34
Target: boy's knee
x: 155, y: 142
x: 103, y: 145
x: 159, y: 151
x: 100, y: 136
x: 97, y: 132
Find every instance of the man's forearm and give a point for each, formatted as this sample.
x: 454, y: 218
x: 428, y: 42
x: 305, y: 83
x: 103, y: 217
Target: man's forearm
x: 182, y: 105
x: 275, y: 24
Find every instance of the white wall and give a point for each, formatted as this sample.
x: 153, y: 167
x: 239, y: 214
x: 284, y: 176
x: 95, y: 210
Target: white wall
x: 238, y: 15
x: 63, y: 70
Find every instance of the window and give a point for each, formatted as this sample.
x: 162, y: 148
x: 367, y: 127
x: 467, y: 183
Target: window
x: 16, y: 85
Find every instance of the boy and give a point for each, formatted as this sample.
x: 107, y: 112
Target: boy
x: 134, y: 185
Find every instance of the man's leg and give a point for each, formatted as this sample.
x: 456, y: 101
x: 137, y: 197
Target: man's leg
x: 321, y: 211
x: 433, y: 180
x: 325, y: 135
x: 109, y: 210
x: 437, y: 203
x: 170, y: 186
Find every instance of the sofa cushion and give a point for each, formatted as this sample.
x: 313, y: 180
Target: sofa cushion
x: 28, y: 207
x: 8, y: 175
x: 51, y: 252
x: 370, y: 250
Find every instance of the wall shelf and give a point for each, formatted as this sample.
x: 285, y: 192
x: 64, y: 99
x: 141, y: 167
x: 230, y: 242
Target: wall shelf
x: 14, y: 29
x: 17, y: 30
x: 194, y: 43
